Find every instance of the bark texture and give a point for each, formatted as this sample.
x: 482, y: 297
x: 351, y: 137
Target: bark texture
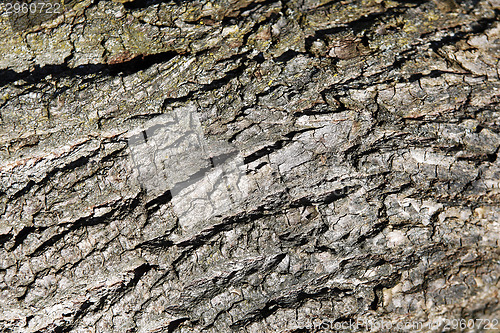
x: 254, y: 166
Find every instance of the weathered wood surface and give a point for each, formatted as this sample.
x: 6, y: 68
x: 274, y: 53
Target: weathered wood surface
x: 339, y: 163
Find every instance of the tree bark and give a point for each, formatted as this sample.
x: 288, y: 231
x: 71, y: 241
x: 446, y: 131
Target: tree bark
x: 254, y: 166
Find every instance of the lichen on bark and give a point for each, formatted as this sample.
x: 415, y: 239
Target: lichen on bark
x: 255, y: 166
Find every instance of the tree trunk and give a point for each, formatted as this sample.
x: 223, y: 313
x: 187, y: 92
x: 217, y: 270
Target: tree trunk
x: 254, y: 166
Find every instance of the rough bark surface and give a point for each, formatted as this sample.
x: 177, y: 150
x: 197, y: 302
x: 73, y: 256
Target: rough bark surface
x: 255, y: 166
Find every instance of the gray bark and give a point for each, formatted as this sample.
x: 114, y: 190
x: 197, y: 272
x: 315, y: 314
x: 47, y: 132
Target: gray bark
x: 255, y: 166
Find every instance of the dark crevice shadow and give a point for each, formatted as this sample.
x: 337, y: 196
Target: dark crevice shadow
x: 128, y: 67
x: 141, y: 4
